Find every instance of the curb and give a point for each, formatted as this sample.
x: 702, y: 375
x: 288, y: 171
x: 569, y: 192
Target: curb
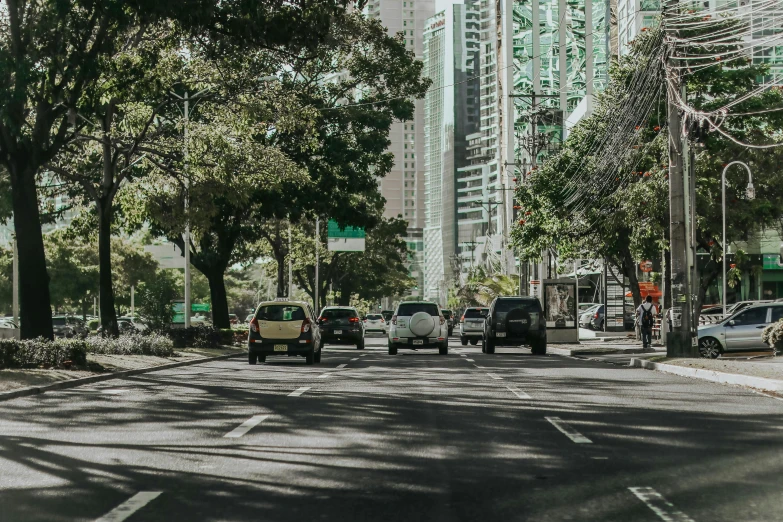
x: 759, y: 383
x: 73, y: 383
x: 571, y: 353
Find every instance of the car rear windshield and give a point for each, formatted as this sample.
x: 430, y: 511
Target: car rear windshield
x: 339, y: 313
x: 58, y: 321
x: 374, y: 317
x: 408, y: 309
x: 446, y: 313
x: 280, y: 313
x: 475, y: 313
x: 506, y: 305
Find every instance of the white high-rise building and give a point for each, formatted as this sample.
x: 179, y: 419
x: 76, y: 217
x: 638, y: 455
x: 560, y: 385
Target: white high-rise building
x: 403, y: 187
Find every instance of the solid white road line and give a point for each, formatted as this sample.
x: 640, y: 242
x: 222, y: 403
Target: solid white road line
x: 470, y: 360
x: 298, y: 391
x: 246, y: 426
x: 130, y: 506
x: 519, y: 393
x: 342, y: 366
x: 660, y: 506
x: 497, y: 378
x: 568, y: 430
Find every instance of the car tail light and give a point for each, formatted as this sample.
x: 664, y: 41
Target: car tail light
x: 442, y: 319
x: 365, y: 320
x: 462, y: 319
x: 322, y: 319
x: 394, y: 319
x: 254, y: 325
x: 595, y: 316
x: 306, y: 326
x: 382, y: 320
x: 353, y: 320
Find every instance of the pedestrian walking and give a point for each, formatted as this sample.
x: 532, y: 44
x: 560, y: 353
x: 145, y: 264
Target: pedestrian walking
x: 645, y: 318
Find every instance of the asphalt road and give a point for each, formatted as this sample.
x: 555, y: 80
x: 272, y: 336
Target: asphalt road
x: 369, y: 437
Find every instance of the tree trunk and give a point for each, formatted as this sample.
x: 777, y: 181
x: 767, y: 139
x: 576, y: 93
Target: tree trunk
x: 282, y: 288
x: 629, y: 269
x: 34, y: 300
x: 219, y: 297
x: 108, y: 313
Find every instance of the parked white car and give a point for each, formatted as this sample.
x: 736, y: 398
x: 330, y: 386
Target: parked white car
x: 740, y: 331
x: 418, y: 324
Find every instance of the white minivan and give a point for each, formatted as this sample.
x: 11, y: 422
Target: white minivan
x: 418, y: 324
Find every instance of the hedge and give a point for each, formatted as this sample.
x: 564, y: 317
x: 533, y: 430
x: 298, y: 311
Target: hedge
x: 132, y: 344
x: 40, y: 352
x: 196, y: 337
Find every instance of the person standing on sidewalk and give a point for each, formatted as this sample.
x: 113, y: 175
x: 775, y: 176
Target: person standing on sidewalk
x: 645, y: 318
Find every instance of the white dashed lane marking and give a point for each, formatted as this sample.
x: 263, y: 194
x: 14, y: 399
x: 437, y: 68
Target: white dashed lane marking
x: 354, y: 359
x: 519, y: 393
x: 568, y: 430
x: 496, y: 377
x: 323, y: 376
x: 298, y: 391
x: 462, y: 355
x: 660, y: 506
x: 130, y: 506
x: 246, y: 426
x: 342, y: 366
x: 470, y: 360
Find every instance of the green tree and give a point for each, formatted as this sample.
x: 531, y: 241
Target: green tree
x: 155, y: 299
x: 54, y: 54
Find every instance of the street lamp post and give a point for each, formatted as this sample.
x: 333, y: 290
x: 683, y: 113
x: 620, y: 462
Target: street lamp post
x: 750, y: 192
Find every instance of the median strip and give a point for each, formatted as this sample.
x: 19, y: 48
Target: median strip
x: 659, y: 505
x: 130, y: 506
x: 246, y: 426
x: 298, y: 391
x: 567, y: 430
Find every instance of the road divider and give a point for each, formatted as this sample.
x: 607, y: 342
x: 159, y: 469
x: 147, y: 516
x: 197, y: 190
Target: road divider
x: 659, y: 505
x: 130, y: 506
x: 519, y: 393
x: 568, y: 430
x: 299, y: 391
x: 246, y: 426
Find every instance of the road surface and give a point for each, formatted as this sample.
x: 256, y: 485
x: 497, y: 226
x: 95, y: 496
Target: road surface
x: 370, y: 437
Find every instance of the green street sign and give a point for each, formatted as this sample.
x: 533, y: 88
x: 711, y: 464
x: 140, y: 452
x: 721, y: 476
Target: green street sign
x: 772, y: 262
x: 348, y: 239
x: 199, y: 307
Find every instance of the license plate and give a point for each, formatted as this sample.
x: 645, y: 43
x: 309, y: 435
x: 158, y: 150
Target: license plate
x: 418, y: 341
x: 500, y: 334
x: 338, y: 332
x: 281, y: 347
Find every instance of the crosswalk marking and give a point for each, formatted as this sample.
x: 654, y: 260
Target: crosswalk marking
x: 659, y: 505
x: 130, y: 506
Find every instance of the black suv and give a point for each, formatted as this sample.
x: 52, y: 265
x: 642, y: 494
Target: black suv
x: 514, y: 321
x: 341, y: 325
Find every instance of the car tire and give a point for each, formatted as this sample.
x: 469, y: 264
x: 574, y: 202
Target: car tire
x: 392, y: 349
x: 252, y: 358
x: 490, y: 348
x: 463, y: 341
x: 360, y: 344
x: 483, y: 345
x: 443, y: 349
x: 709, y: 348
x: 538, y: 347
x: 310, y: 357
x: 317, y: 357
x: 262, y: 358
x: 474, y: 342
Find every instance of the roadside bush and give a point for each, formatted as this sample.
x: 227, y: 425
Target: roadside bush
x: 773, y: 335
x: 93, y: 324
x: 40, y: 352
x: 227, y: 336
x: 200, y: 336
x: 132, y: 344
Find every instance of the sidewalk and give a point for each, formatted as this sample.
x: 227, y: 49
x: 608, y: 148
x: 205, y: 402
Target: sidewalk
x: 23, y: 382
x: 753, y: 372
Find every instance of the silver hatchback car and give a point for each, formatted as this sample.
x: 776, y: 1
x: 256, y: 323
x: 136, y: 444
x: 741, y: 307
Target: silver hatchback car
x: 739, y: 332
x: 471, y: 328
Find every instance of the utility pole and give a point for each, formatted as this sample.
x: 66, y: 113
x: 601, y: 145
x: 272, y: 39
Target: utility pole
x: 188, y: 305
x: 679, y: 341
x: 533, y: 145
x: 317, y: 241
x: 290, y: 265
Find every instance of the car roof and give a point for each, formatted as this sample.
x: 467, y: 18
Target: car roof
x: 298, y: 303
x: 418, y: 302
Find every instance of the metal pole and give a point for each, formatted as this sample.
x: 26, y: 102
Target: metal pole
x: 95, y: 307
x: 188, y: 305
x: 317, y: 261
x: 751, y: 194
x: 290, y: 265
x: 133, y: 303
x: 15, y: 284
